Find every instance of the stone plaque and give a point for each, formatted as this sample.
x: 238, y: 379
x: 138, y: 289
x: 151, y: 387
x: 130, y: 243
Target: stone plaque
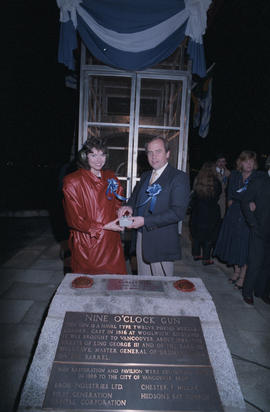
x: 141, y: 362
x: 99, y: 337
x: 127, y: 284
x: 125, y: 387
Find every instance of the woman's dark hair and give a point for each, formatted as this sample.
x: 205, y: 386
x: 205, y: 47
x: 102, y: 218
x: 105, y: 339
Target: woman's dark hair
x: 88, y: 146
x: 204, y: 184
x: 246, y: 155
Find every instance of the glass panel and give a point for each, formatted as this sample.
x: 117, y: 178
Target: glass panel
x: 145, y: 135
x: 117, y: 162
x: 117, y: 143
x: 160, y: 102
x: 109, y: 99
x: 115, y: 136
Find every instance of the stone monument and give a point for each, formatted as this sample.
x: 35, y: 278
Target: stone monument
x: 130, y: 343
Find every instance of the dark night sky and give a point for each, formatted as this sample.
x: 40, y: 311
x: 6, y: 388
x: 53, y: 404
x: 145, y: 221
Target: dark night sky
x: 238, y: 41
x: 39, y: 111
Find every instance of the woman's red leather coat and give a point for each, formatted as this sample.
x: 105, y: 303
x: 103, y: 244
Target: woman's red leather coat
x: 87, y: 210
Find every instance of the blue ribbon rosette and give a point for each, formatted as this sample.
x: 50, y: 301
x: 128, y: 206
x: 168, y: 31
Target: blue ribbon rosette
x: 152, y: 192
x: 243, y: 188
x: 112, y: 189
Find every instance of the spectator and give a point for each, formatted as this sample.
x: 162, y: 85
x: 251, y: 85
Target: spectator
x: 232, y: 243
x: 61, y: 228
x: 223, y: 176
x: 205, y: 213
x: 257, y: 279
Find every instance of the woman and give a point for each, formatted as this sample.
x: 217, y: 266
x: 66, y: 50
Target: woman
x: 233, y: 239
x: 91, y: 200
x: 205, y: 213
x: 223, y: 175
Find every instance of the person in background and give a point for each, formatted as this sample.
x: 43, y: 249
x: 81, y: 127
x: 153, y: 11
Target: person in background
x: 159, y: 201
x: 59, y: 216
x: 92, y: 197
x: 257, y: 278
x: 205, y: 213
x: 233, y: 238
x: 223, y: 174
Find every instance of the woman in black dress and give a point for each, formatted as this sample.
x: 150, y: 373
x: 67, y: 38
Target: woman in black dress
x: 205, y: 213
x: 233, y: 239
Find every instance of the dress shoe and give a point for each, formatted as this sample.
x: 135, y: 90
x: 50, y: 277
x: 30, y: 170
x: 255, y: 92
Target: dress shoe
x: 238, y: 287
x: 233, y: 281
x: 239, y: 284
x: 265, y: 299
x: 249, y: 300
x: 207, y: 262
x: 197, y: 257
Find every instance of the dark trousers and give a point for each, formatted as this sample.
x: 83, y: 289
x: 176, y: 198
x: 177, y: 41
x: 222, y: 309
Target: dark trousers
x: 203, y: 246
x: 257, y: 278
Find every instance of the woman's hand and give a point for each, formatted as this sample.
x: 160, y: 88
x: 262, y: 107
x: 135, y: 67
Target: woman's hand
x: 124, y: 211
x: 114, y: 226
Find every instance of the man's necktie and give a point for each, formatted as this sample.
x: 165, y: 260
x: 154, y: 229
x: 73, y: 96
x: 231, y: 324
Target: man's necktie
x: 153, y: 177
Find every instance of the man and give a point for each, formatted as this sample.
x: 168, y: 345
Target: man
x: 255, y: 206
x: 222, y: 174
x: 158, y: 202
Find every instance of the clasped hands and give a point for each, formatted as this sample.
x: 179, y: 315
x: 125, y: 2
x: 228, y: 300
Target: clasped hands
x: 137, y: 221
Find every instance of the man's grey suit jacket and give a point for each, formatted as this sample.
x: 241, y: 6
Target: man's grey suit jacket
x: 160, y: 240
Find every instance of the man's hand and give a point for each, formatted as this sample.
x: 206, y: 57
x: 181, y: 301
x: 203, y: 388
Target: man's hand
x: 114, y: 226
x: 124, y: 210
x: 137, y: 221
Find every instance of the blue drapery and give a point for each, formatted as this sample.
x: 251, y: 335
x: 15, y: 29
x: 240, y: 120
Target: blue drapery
x: 126, y: 34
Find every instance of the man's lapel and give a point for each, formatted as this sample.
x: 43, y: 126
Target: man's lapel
x: 162, y: 180
x: 140, y: 185
x: 146, y: 176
